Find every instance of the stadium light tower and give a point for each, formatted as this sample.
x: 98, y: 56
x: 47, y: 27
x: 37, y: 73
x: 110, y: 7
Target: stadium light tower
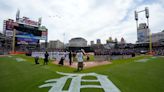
x: 147, y: 17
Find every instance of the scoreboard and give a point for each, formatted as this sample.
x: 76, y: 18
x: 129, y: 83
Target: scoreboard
x: 28, y: 33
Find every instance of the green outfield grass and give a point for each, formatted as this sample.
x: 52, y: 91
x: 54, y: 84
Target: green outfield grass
x: 126, y: 74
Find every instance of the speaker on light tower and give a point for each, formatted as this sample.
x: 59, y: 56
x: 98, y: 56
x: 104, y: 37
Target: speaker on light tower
x: 146, y: 12
x: 136, y: 15
x: 17, y: 15
x: 39, y: 21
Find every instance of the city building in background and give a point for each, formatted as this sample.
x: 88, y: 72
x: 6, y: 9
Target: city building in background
x: 43, y: 45
x: 92, y: 43
x: 122, y: 41
x: 57, y: 44
x: 158, y: 38
x: 109, y: 40
x: 98, y: 41
x: 109, y: 43
x: 78, y: 42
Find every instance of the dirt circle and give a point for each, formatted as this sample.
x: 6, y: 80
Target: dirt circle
x: 87, y: 64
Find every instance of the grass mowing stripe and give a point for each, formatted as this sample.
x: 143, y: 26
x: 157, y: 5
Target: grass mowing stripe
x: 90, y: 83
x: 67, y: 84
x: 91, y: 90
x: 89, y: 78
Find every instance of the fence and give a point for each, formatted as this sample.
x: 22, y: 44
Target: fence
x: 110, y: 57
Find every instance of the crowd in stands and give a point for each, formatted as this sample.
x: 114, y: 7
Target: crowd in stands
x: 157, y: 51
x: 101, y: 51
x: 114, y: 52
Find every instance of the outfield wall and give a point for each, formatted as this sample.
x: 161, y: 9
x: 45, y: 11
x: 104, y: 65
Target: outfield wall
x: 110, y: 57
x: 52, y: 55
x: 57, y: 56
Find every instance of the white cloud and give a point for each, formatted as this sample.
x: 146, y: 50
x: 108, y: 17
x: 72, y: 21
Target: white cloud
x: 91, y: 19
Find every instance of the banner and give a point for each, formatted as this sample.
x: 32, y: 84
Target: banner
x: 9, y: 24
x: 21, y: 34
x: 52, y: 55
x: 9, y: 33
x: 27, y: 21
x: 27, y: 41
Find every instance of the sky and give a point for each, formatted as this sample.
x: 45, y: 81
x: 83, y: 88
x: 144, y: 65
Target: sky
x: 90, y: 19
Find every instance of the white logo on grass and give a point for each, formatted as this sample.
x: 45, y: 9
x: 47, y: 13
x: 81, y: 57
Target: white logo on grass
x: 145, y: 60
x: 142, y: 60
x: 75, y: 85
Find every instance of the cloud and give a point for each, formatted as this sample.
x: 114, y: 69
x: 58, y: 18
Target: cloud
x: 91, y: 19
